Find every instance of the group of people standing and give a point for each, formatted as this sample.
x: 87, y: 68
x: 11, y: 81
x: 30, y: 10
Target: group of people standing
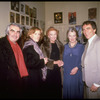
x: 49, y: 69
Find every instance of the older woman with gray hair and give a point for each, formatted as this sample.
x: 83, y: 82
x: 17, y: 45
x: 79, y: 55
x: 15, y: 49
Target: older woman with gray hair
x: 72, y: 77
x: 13, y: 70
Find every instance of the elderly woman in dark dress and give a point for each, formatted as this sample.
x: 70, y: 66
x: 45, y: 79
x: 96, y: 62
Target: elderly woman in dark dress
x: 53, y: 49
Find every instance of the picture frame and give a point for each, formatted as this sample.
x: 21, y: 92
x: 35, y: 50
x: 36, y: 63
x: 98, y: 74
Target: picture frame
x: 31, y: 12
x: 22, y: 20
x: 12, y: 17
x: 58, y: 17
x: 79, y: 30
x: 34, y: 12
x: 92, y: 14
x: 81, y: 38
x: 15, y: 6
x: 17, y: 18
x: 27, y: 10
x: 27, y: 20
x: 31, y: 21
x: 72, y: 18
x: 22, y: 8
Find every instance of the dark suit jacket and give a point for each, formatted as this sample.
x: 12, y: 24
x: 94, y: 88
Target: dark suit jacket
x: 10, y: 80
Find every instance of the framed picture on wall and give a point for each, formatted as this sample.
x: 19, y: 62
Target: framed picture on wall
x: 31, y: 21
x: 22, y: 20
x: 27, y: 10
x: 27, y: 20
x: 31, y: 12
x: 15, y: 6
x: 92, y: 14
x: 79, y: 30
x: 72, y: 18
x: 22, y: 8
x: 34, y: 12
x: 17, y: 18
x: 81, y: 37
x: 12, y: 17
x: 58, y: 17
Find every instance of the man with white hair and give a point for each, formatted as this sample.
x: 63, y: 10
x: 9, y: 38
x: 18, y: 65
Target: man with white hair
x: 12, y: 66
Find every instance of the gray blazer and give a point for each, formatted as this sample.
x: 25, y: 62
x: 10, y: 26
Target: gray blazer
x: 91, y: 64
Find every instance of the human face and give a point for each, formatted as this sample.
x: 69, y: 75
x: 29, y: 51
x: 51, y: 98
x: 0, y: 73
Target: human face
x: 36, y: 36
x: 52, y: 36
x: 88, y: 31
x: 14, y: 33
x: 72, y: 37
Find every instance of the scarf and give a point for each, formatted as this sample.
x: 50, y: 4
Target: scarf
x: 19, y: 59
x: 39, y: 51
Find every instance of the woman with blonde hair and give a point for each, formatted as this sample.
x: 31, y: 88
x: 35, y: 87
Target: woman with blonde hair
x: 53, y: 49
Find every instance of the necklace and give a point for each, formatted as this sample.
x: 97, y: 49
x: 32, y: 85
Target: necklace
x: 70, y: 54
x: 71, y: 47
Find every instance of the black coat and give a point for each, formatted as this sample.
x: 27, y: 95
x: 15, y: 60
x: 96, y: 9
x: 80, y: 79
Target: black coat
x: 34, y: 65
x: 11, y: 84
x: 52, y: 85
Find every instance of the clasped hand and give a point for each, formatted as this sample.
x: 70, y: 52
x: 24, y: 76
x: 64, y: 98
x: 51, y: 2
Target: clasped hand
x: 45, y: 60
x: 59, y: 63
x: 74, y: 71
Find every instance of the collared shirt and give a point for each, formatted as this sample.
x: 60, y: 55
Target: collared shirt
x: 90, y: 41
